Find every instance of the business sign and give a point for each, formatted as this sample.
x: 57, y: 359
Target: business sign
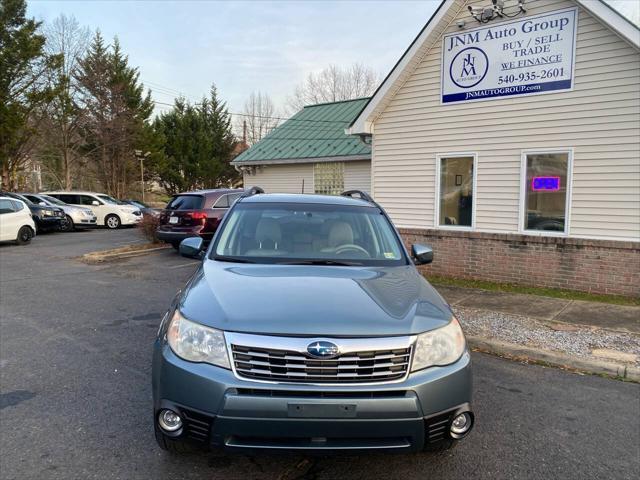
x: 539, y: 184
x: 528, y: 56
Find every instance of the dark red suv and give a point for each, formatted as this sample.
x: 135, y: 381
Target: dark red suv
x: 195, y: 214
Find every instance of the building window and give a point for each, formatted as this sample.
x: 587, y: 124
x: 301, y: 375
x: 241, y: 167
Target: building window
x: 545, y: 191
x: 328, y: 178
x: 455, y: 191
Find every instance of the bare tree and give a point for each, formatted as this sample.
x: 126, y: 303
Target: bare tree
x: 333, y: 84
x: 257, y: 119
x: 60, y: 152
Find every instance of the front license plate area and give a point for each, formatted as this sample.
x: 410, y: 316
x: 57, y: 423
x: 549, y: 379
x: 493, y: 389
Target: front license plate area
x: 173, y: 220
x: 321, y: 410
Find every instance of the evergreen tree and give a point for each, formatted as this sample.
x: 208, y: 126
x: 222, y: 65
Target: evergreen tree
x: 116, y: 115
x: 197, y: 145
x: 24, y: 86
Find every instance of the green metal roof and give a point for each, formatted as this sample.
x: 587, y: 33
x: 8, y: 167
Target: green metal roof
x: 315, y: 133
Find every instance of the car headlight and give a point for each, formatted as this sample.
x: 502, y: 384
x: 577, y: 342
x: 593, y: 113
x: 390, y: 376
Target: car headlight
x: 439, y: 347
x: 197, y: 343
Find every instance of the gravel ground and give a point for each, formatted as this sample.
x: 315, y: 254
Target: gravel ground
x: 521, y: 330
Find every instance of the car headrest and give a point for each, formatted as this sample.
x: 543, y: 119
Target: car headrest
x: 340, y: 233
x: 268, y: 232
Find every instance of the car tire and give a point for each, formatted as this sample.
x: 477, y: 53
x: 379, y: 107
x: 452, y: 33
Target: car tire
x: 67, y: 224
x: 173, y: 445
x: 25, y: 234
x: 112, y: 222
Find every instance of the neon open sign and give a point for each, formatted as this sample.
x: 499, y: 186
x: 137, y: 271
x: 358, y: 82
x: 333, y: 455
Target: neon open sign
x: 548, y: 184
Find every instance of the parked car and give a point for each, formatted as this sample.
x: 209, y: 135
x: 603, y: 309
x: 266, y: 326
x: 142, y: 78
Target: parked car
x: 75, y: 217
x: 144, y: 208
x: 46, y: 218
x: 195, y: 214
x: 16, y: 222
x: 109, y: 212
x: 307, y: 326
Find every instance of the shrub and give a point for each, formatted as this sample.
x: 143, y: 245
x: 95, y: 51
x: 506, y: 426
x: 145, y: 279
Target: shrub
x: 148, y: 227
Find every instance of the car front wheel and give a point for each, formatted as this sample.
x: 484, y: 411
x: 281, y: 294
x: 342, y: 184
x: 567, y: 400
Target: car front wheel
x: 67, y: 224
x: 112, y: 222
x: 25, y: 234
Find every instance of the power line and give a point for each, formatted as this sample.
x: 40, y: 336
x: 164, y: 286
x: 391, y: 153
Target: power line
x: 290, y: 119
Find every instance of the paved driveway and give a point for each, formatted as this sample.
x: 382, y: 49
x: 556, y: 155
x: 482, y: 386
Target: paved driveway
x: 75, y: 351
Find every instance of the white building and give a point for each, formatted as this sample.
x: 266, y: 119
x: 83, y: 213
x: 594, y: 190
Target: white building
x: 511, y: 142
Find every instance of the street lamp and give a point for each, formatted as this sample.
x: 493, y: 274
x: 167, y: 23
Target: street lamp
x: 142, y: 157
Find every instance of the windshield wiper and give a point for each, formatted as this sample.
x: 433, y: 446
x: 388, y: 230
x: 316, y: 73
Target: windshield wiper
x: 232, y: 259
x: 321, y: 262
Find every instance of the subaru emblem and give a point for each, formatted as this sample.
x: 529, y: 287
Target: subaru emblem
x: 322, y: 349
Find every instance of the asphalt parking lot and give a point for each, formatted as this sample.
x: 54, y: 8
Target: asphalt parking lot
x: 75, y: 357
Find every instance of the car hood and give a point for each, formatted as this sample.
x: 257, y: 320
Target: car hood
x: 127, y: 208
x: 313, y: 300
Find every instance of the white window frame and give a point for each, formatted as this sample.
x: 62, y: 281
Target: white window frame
x: 436, y: 216
x: 523, y: 192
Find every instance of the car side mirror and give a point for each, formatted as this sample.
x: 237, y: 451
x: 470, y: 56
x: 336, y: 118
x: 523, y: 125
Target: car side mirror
x: 422, y: 254
x: 191, y: 247
x: 95, y: 203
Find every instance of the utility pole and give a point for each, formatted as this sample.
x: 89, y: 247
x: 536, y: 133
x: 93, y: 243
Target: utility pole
x: 142, y: 157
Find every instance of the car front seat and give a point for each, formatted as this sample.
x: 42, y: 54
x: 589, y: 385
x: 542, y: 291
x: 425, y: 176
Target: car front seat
x: 268, y: 237
x: 340, y: 233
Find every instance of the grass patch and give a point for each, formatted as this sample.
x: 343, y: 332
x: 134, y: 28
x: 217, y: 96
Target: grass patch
x: 541, y: 291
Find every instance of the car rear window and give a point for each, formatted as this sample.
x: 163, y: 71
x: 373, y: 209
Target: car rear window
x: 185, y: 202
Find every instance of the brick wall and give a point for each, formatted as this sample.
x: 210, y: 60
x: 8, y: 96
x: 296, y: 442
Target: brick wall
x: 596, y: 266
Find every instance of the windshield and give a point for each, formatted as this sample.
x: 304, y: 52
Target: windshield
x: 308, y: 234
x: 109, y: 199
x: 53, y: 200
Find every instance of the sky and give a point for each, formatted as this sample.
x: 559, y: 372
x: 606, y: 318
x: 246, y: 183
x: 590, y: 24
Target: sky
x: 182, y: 47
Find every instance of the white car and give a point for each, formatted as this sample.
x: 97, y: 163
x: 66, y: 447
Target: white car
x: 75, y: 217
x: 16, y: 222
x: 110, y: 212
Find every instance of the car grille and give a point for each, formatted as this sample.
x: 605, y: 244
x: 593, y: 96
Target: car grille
x: 297, y: 367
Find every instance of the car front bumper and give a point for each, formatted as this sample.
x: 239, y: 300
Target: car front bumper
x: 222, y: 410
x: 48, y: 221
x: 82, y: 221
x: 131, y: 219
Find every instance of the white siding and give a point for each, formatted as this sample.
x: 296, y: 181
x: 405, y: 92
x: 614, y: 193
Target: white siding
x: 599, y: 119
x: 282, y: 178
x: 357, y: 176
x: 288, y: 178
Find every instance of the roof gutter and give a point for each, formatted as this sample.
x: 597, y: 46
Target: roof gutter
x: 284, y: 161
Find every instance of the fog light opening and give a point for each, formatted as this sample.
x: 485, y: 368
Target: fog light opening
x: 461, y: 425
x: 169, y: 420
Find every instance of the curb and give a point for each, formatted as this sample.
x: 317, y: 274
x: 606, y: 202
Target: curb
x: 612, y: 369
x: 95, y: 257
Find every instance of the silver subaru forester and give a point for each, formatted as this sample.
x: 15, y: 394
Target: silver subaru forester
x: 308, y: 327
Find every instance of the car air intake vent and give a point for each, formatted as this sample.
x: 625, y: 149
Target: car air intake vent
x: 438, y: 427
x: 196, y: 425
x: 262, y: 363
x: 260, y: 392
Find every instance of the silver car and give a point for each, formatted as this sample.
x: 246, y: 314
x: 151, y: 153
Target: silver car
x: 75, y: 217
x: 308, y: 327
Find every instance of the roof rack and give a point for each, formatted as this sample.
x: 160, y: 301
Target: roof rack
x: 358, y: 194
x: 255, y: 190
